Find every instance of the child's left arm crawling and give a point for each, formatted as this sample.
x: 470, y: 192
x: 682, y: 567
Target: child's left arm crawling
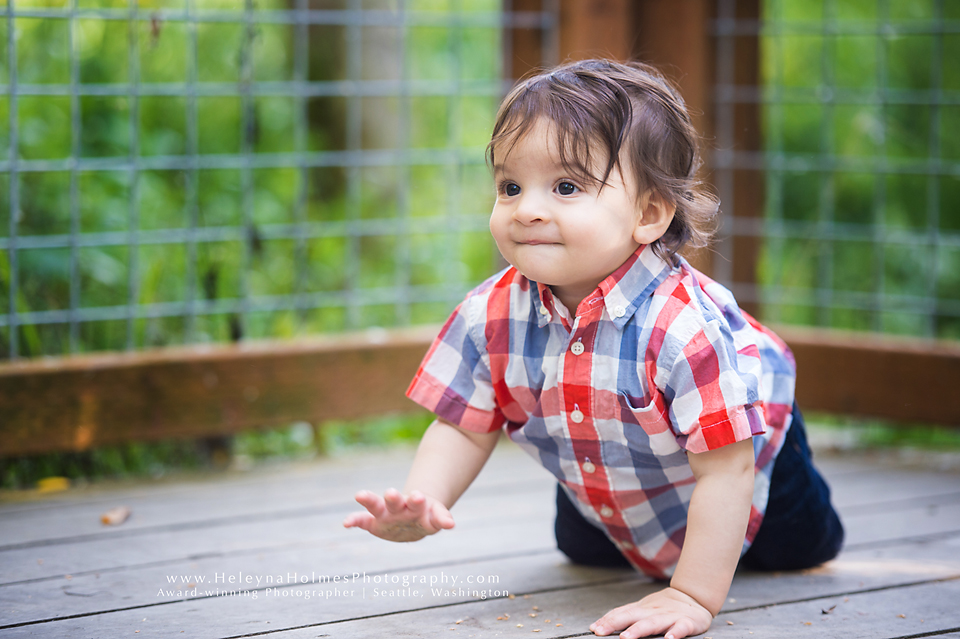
x: 716, y: 526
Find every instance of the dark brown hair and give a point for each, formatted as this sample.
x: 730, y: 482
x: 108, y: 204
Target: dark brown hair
x: 605, y: 112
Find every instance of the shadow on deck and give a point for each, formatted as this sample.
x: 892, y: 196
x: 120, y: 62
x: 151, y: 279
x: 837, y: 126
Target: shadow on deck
x: 263, y: 553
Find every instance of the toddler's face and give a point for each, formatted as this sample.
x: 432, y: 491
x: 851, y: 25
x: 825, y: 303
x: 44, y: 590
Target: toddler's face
x: 554, y: 228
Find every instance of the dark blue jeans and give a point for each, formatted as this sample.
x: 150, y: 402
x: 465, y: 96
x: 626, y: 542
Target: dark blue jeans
x: 800, y: 529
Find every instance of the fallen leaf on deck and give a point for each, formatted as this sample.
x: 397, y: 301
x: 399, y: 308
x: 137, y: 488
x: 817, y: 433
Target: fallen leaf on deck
x: 53, y: 484
x: 828, y: 610
x: 115, y: 516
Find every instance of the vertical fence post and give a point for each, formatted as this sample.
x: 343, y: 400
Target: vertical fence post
x: 683, y: 49
x: 746, y: 202
x: 596, y: 28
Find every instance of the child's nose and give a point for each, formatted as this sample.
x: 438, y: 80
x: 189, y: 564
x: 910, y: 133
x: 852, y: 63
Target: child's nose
x: 530, y: 210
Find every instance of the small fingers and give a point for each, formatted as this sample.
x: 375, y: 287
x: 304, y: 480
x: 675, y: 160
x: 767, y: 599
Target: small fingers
x: 653, y: 625
x: 359, y: 520
x: 634, y: 620
x: 416, y: 503
x: 683, y: 628
x: 394, y: 501
x: 617, y: 619
x: 372, y: 502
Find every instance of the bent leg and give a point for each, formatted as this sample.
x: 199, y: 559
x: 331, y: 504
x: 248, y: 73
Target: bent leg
x: 800, y: 529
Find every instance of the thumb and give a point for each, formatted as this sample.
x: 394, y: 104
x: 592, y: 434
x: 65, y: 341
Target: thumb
x: 440, y: 517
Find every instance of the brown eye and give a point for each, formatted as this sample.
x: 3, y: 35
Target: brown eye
x: 566, y: 188
x: 511, y: 189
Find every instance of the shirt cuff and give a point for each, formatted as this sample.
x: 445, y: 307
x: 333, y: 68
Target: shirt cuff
x: 742, y: 423
x: 444, y: 403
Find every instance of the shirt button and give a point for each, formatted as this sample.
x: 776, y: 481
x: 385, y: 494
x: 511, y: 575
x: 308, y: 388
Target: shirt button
x: 606, y: 511
x: 576, y: 416
x: 626, y: 545
x: 588, y: 467
x: 619, y: 311
x: 577, y: 348
x: 544, y: 311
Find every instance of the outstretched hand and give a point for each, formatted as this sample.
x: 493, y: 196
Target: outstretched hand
x: 397, y: 517
x: 668, y: 612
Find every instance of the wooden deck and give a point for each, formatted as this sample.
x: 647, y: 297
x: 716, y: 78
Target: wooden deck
x: 228, y: 555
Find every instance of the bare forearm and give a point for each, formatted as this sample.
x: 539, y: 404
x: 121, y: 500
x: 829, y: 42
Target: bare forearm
x: 448, y: 460
x: 716, y: 526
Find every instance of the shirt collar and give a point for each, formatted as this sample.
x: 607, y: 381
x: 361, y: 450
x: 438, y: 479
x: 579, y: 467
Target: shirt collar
x: 622, y: 292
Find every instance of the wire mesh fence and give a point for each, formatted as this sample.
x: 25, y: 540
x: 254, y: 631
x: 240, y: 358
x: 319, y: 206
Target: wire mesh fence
x: 184, y: 171
x: 860, y: 163
x: 188, y: 171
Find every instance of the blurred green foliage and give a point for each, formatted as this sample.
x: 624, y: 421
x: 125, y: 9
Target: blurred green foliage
x: 158, y: 459
x: 874, y: 433
x: 166, y: 124
x: 843, y: 55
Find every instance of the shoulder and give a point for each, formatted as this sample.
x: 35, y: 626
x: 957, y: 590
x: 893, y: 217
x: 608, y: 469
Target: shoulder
x: 692, y: 306
x: 680, y: 307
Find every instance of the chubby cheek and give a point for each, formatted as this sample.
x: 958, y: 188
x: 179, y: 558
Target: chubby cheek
x: 499, y: 231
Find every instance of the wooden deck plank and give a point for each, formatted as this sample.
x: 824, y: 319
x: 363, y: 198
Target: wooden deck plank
x: 255, y: 493
x: 927, y: 608
x: 844, y: 578
x: 504, y: 528
x: 93, y: 592
x: 267, y: 532
x: 316, y: 485
x: 235, y: 615
x: 541, y: 568
x: 332, y: 481
x: 263, y: 537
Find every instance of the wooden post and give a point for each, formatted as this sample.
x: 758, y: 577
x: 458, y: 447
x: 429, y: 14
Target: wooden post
x: 596, y: 29
x: 683, y: 50
x: 525, y: 44
x: 748, y: 184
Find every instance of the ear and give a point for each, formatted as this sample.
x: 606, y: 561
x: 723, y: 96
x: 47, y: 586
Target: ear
x: 656, y: 214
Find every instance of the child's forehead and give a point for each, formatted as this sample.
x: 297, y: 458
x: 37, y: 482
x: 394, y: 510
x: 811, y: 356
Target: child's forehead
x: 539, y: 141
x: 549, y: 147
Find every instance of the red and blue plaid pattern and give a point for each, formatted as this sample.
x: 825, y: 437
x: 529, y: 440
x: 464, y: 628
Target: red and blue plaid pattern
x: 658, y: 361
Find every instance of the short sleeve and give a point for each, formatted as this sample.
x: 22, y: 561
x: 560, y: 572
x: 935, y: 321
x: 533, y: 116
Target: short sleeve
x: 713, y: 392
x: 453, y: 380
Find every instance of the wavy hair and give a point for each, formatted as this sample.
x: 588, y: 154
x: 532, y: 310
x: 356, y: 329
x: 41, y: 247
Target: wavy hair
x: 607, y: 114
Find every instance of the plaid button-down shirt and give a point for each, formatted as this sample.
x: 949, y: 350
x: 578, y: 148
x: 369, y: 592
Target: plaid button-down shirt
x: 658, y: 361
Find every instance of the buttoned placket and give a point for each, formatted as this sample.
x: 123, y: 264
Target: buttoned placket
x: 575, y: 380
x: 578, y: 397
